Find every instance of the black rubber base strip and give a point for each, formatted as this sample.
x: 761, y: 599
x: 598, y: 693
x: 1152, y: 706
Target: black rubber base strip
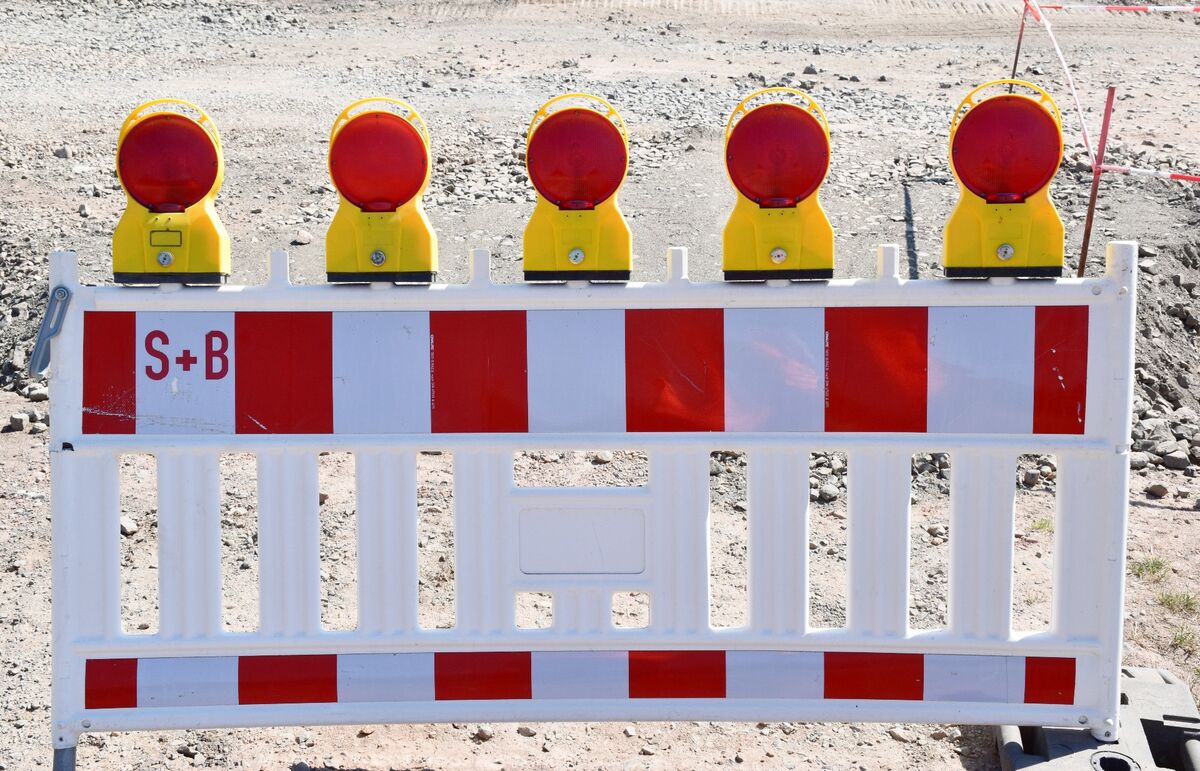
x: 170, y: 278
x: 810, y: 274
x: 577, y: 275
x: 1054, y: 271
x: 390, y: 277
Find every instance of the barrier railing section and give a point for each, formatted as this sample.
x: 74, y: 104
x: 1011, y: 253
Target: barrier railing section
x: 193, y: 674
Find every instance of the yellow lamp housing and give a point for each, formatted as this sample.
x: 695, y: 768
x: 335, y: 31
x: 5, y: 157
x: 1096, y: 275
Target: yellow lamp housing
x: 777, y: 156
x: 379, y: 161
x: 1004, y: 151
x: 577, y: 158
x: 171, y: 168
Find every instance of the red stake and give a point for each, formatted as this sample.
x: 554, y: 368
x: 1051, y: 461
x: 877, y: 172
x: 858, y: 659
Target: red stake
x: 1096, y: 171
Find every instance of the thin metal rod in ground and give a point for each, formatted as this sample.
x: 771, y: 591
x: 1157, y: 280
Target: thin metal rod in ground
x: 1017, y: 55
x: 1096, y: 171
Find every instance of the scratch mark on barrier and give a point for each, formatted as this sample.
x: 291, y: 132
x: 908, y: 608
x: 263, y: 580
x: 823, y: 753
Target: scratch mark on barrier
x: 258, y: 423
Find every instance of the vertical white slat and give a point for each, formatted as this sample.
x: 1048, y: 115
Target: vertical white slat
x: 679, y: 602
x: 189, y: 533
x: 982, y: 499
x: 387, y: 541
x: 86, y: 528
x: 879, y: 490
x: 778, y: 548
x: 289, y: 521
x: 483, y: 483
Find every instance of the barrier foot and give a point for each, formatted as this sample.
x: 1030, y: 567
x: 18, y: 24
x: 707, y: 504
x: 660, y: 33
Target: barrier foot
x: 64, y: 759
x: 1158, y: 721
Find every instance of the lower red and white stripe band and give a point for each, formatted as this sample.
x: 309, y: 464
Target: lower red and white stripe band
x: 997, y: 370
x: 1157, y: 173
x: 647, y: 674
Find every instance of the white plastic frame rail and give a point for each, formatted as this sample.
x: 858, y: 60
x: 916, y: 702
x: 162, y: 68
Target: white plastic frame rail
x: 877, y: 368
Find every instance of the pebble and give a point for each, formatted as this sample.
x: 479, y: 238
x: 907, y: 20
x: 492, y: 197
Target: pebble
x: 900, y: 735
x: 1031, y: 477
x: 603, y: 457
x: 64, y: 151
x: 526, y: 731
x: 630, y: 731
x: 1157, y: 490
x: 828, y: 493
x: 1176, y: 460
x: 19, y: 422
x: 301, y: 238
x: 38, y: 394
x: 483, y: 733
x: 128, y: 526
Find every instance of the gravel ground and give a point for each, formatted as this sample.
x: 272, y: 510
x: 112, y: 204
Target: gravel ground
x: 888, y: 74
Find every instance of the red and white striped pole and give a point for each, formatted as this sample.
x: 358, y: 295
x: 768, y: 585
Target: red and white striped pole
x: 1097, y: 167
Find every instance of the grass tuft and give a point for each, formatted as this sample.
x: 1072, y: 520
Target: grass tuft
x: 1149, y: 568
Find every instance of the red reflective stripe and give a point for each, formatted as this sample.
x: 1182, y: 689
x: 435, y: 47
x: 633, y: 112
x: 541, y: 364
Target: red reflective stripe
x: 110, y: 683
x: 109, y: 372
x: 875, y: 676
x: 287, y: 679
x: 677, y: 674
x: 1049, y: 680
x: 478, y: 377
x: 459, y: 676
x: 284, y: 371
x: 1060, y: 369
x: 876, y: 363
x: 675, y: 370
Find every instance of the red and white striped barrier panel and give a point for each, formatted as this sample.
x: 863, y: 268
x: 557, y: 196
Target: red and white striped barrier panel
x: 879, y: 369
x: 1000, y: 369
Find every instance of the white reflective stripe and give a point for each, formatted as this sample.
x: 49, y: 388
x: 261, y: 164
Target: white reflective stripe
x: 186, y: 386
x: 775, y: 369
x: 580, y: 674
x: 187, y: 682
x: 981, y: 370
x: 385, y: 677
x: 951, y: 677
x: 774, y: 675
x: 576, y: 370
x: 381, y: 372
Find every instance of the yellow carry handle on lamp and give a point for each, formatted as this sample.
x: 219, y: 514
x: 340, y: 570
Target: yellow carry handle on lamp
x: 577, y: 158
x: 1004, y: 151
x: 380, y: 164
x: 171, y: 168
x: 777, y: 156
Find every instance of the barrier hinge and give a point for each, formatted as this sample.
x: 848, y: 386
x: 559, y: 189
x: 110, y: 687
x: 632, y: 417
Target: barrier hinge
x: 56, y: 311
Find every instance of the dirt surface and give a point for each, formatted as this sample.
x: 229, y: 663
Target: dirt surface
x: 274, y: 75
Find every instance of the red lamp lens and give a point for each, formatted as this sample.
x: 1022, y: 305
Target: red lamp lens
x: 577, y: 158
x: 167, y: 162
x: 1006, y: 149
x: 777, y: 155
x: 378, y: 161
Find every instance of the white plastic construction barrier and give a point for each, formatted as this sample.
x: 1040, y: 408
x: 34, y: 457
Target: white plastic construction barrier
x: 879, y: 369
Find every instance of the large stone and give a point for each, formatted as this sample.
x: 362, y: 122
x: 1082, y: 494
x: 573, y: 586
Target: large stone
x: 1177, y: 460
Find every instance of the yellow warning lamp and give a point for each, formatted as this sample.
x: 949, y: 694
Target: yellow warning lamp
x: 1004, y: 150
x: 380, y: 164
x: 577, y: 153
x: 170, y: 166
x: 777, y: 156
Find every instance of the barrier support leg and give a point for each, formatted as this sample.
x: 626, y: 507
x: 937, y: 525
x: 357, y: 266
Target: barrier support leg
x: 64, y: 759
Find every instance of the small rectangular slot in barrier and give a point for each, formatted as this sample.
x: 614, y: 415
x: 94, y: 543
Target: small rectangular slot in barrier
x: 339, y: 544
x: 828, y: 575
x: 631, y: 610
x: 727, y: 539
x: 534, y: 610
x: 139, y: 544
x: 929, y: 541
x: 1034, y: 542
x: 436, y: 596
x: 239, y: 542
